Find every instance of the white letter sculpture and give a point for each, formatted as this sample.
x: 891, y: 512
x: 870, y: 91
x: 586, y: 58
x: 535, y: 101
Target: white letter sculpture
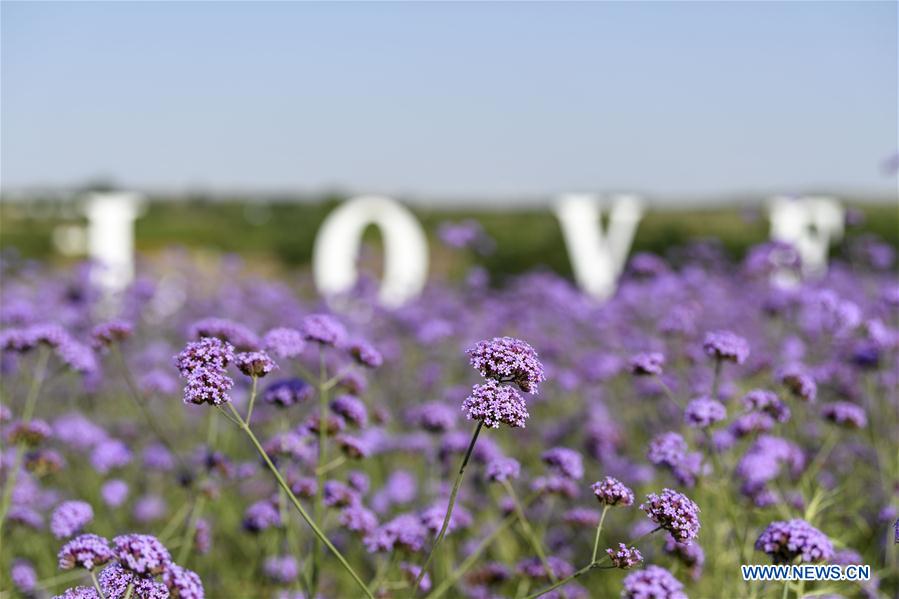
x: 809, y: 224
x: 598, y: 257
x: 110, y: 237
x: 337, y: 244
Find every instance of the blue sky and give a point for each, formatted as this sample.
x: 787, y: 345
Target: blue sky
x: 452, y: 100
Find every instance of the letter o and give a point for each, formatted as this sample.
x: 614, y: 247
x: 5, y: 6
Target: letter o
x: 338, y: 241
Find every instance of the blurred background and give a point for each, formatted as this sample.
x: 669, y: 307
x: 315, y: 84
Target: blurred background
x: 244, y: 124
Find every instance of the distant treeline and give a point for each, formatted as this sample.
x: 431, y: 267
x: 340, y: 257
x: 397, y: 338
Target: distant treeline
x: 525, y: 239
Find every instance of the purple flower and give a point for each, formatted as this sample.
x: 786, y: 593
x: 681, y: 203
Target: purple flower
x: 109, y: 454
x: 115, y: 580
x: 80, y: 592
x: 647, y: 364
x: 232, y: 332
x: 674, y: 512
x: 31, y: 433
x: 845, y: 414
x: 432, y: 416
x: 70, y: 517
x: 800, y: 384
x: 652, y: 582
x: 114, y: 492
x: 288, y: 392
x: 508, y: 360
x: 364, y: 353
x: 564, y: 461
x: 411, y: 572
x: 255, y: 363
x: 690, y: 555
x: 261, y: 515
x: 23, y: 576
x: 581, y: 517
x: 208, y: 386
x: 496, y: 404
x: 323, y: 329
x: 156, y: 456
x: 726, y: 346
x: 352, y: 410
x: 84, y: 551
x: 704, y: 412
x: 625, y: 557
x: 284, y: 342
x: 209, y: 352
x: 149, y: 508
x: 668, y: 449
x: 141, y: 554
x: 183, y: 583
x: 358, y: 519
x: 105, y: 334
x: 555, y: 485
x: 761, y: 400
x: 611, y: 491
x: 405, y: 531
x: 784, y: 541
x: 338, y: 494
x: 502, y: 469
x: 433, y: 518
x: 281, y: 568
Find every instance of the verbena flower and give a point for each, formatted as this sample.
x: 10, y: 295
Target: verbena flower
x: 703, y: 412
x: 79, y: 592
x: 208, y: 386
x: 284, y: 342
x: 506, y: 359
x: 358, y: 518
x: 107, y: 333
x: 647, y: 364
x: 411, y: 572
x: 611, y: 491
x: 115, y: 580
x: 652, y: 582
x: 23, y: 576
x: 432, y: 416
x: 845, y: 414
x: 675, y: 512
x: 110, y: 454
x: 183, y: 583
x: 564, y: 461
x: 364, y: 353
x: 690, y: 555
x: 762, y: 400
x: 496, y: 404
x: 232, y: 332
x: 31, y: 433
x: 667, y: 449
x: 84, y: 551
x: 352, y: 409
x: 787, y: 540
x: 288, y: 392
x: 323, y: 329
x: 726, y: 346
x: 502, y: 469
x: 70, y: 517
x: 208, y: 352
x: 142, y: 554
x: 799, y: 382
x: 624, y: 557
x: 281, y: 568
x: 256, y: 363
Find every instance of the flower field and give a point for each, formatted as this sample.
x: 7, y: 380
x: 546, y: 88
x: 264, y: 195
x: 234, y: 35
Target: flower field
x: 218, y: 432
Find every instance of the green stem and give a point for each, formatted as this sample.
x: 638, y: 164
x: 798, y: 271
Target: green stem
x: 129, y: 590
x: 449, y: 508
x: 40, y: 370
x: 529, y: 531
x: 252, y: 401
x: 97, y: 585
x: 472, y: 559
x: 187, y: 541
x: 602, y: 518
x: 318, y: 506
x: 585, y: 569
x: 296, y: 503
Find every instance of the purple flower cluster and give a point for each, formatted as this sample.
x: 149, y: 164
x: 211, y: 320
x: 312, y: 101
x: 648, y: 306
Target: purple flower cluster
x: 565, y: 462
x: 508, y: 360
x: 70, y: 517
x: 703, y: 412
x: 624, y: 557
x: 84, y: 551
x: 288, y: 392
x: 845, y: 414
x: 611, y: 491
x: 496, y: 404
x: 284, y: 342
x: 652, y: 582
x: 255, y: 363
x: 203, y: 364
x: 647, y: 364
x: 784, y: 541
x: 726, y: 346
x: 674, y: 512
x: 323, y: 329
